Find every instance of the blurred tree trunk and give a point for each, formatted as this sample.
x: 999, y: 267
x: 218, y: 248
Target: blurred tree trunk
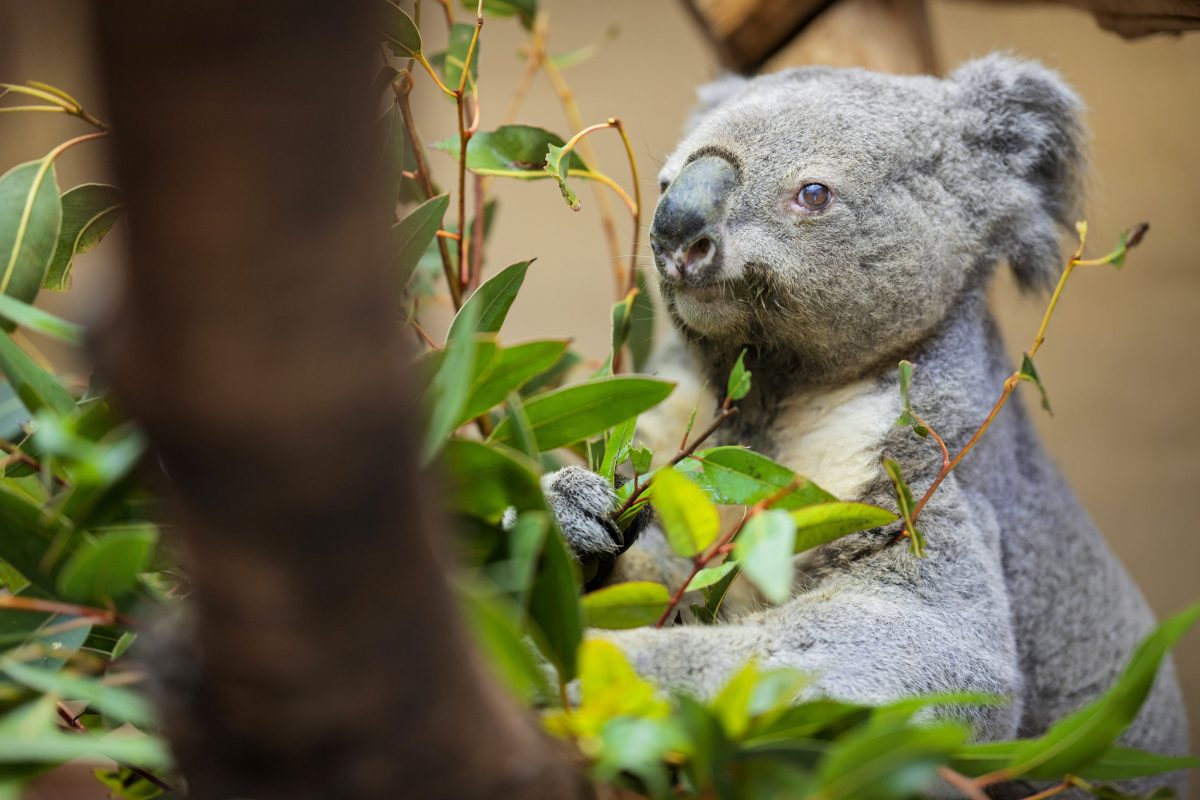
x: 258, y: 344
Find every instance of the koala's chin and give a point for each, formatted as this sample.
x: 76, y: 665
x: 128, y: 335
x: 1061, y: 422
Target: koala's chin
x: 714, y: 310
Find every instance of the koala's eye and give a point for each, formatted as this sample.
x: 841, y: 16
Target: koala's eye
x: 814, y: 196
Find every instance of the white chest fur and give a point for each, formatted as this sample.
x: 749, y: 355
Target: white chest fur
x: 835, y: 436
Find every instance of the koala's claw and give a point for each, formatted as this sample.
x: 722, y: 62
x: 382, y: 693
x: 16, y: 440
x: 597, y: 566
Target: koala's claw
x: 582, y: 501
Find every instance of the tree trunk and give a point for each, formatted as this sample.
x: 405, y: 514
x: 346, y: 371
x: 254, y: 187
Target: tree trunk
x: 258, y: 345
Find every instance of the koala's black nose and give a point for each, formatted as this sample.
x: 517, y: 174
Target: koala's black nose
x: 686, y: 233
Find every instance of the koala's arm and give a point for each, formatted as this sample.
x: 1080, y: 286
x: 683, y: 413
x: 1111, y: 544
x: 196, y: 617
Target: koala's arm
x: 581, y: 500
x: 878, y: 625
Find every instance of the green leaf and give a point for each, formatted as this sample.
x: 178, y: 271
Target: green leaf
x: 555, y: 610
x: 397, y: 159
x: 908, y: 417
x: 572, y: 413
x: 106, y: 567
x: 689, y: 519
x: 494, y: 625
x: 413, y: 234
x: 737, y: 476
x: 456, y: 54
x: 1116, y: 764
x: 120, y: 704
x: 616, y: 449
x: 904, y: 499
x: 892, y: 762
x: 710, y: 575
x: 29, y: 536
x: 485, y: 310
x: 525, y: 10
x: 825, y: 522
x: 508, y: 371
x: 1029, y: 373
x: 522, y: 438
x: 88, y: 213
x: 485, y: 480
x: 400, y: 32
x: 640, y: 458
x: 36, y: 387
x: 732, y: 703
x: 1081, y: 738
x: 764, y: 552
x: 556, y: 169
x: 714, y: 595
x: 625, y: 605
x: 30, y: 218
x: 511, y: 151
x: 622, y: 316
x: 641, y: 325
x: 738, y: 385
x: 448, y: 390
x: 34, y: 319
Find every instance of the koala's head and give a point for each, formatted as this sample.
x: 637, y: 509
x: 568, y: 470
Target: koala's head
x: 838, y: 216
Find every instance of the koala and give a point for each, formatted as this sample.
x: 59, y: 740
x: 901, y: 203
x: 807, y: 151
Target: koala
x: 832, y: 222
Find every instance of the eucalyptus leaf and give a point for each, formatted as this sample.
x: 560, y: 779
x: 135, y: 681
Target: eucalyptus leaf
x: 738, y: 385
x: 412, y: 235
x: 573, y: 413
x: 455, y: 57
x: 30, y: 219
x: 625, y: 605
x: 508, y: 371
x: 825, y: 522
x: 36, y: 387
x: 1081, y: 738
x: 555, y: 609
x: 89, y: 212
x: 1028, y: 372
x: 511, y: 151
x: 105, y: 567
x: 486, y: 480
x: 39, y: 321
x: 400, y: 32
x: 737, y: 476
x: 448, y: 391
x: 616, y: 449
x: 486, y: 308
x: 689, y: 519
x: 764, y: 550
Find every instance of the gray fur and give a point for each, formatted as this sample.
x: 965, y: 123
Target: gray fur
x: 936, y: 182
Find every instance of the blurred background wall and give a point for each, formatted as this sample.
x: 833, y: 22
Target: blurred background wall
x: 1122, y: 361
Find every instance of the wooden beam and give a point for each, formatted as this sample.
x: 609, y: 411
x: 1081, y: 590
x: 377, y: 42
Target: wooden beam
x: 881, y: 35
x: 748, y: 33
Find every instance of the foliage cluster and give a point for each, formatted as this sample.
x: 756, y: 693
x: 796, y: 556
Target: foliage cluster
x: 81, y: 561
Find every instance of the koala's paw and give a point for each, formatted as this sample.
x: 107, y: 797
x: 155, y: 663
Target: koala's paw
x: 581, y: 501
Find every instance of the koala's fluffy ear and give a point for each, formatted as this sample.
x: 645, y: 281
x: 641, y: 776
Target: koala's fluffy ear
x: 1027, y: 122
x: 712, y: 96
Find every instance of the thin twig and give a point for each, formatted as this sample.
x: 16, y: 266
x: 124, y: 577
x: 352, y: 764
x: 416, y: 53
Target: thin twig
x: 1011, y: 383
x: 402, y: 86
x: 962, y: 783
x: 727, y: 411
x: 74, y: 724
x: 575, y: 120
x: 105, y: 616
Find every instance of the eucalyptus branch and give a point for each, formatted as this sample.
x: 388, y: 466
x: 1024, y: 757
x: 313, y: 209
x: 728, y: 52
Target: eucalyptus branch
x: 721, y: 547
x: 60, y: 101
x: 1129, y: 239
x: 101, y: 615
x: 464, y: 138
x: 686, y: 450
x: 402, y: 87
x: 575, y: 120
x: 74, y: 724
